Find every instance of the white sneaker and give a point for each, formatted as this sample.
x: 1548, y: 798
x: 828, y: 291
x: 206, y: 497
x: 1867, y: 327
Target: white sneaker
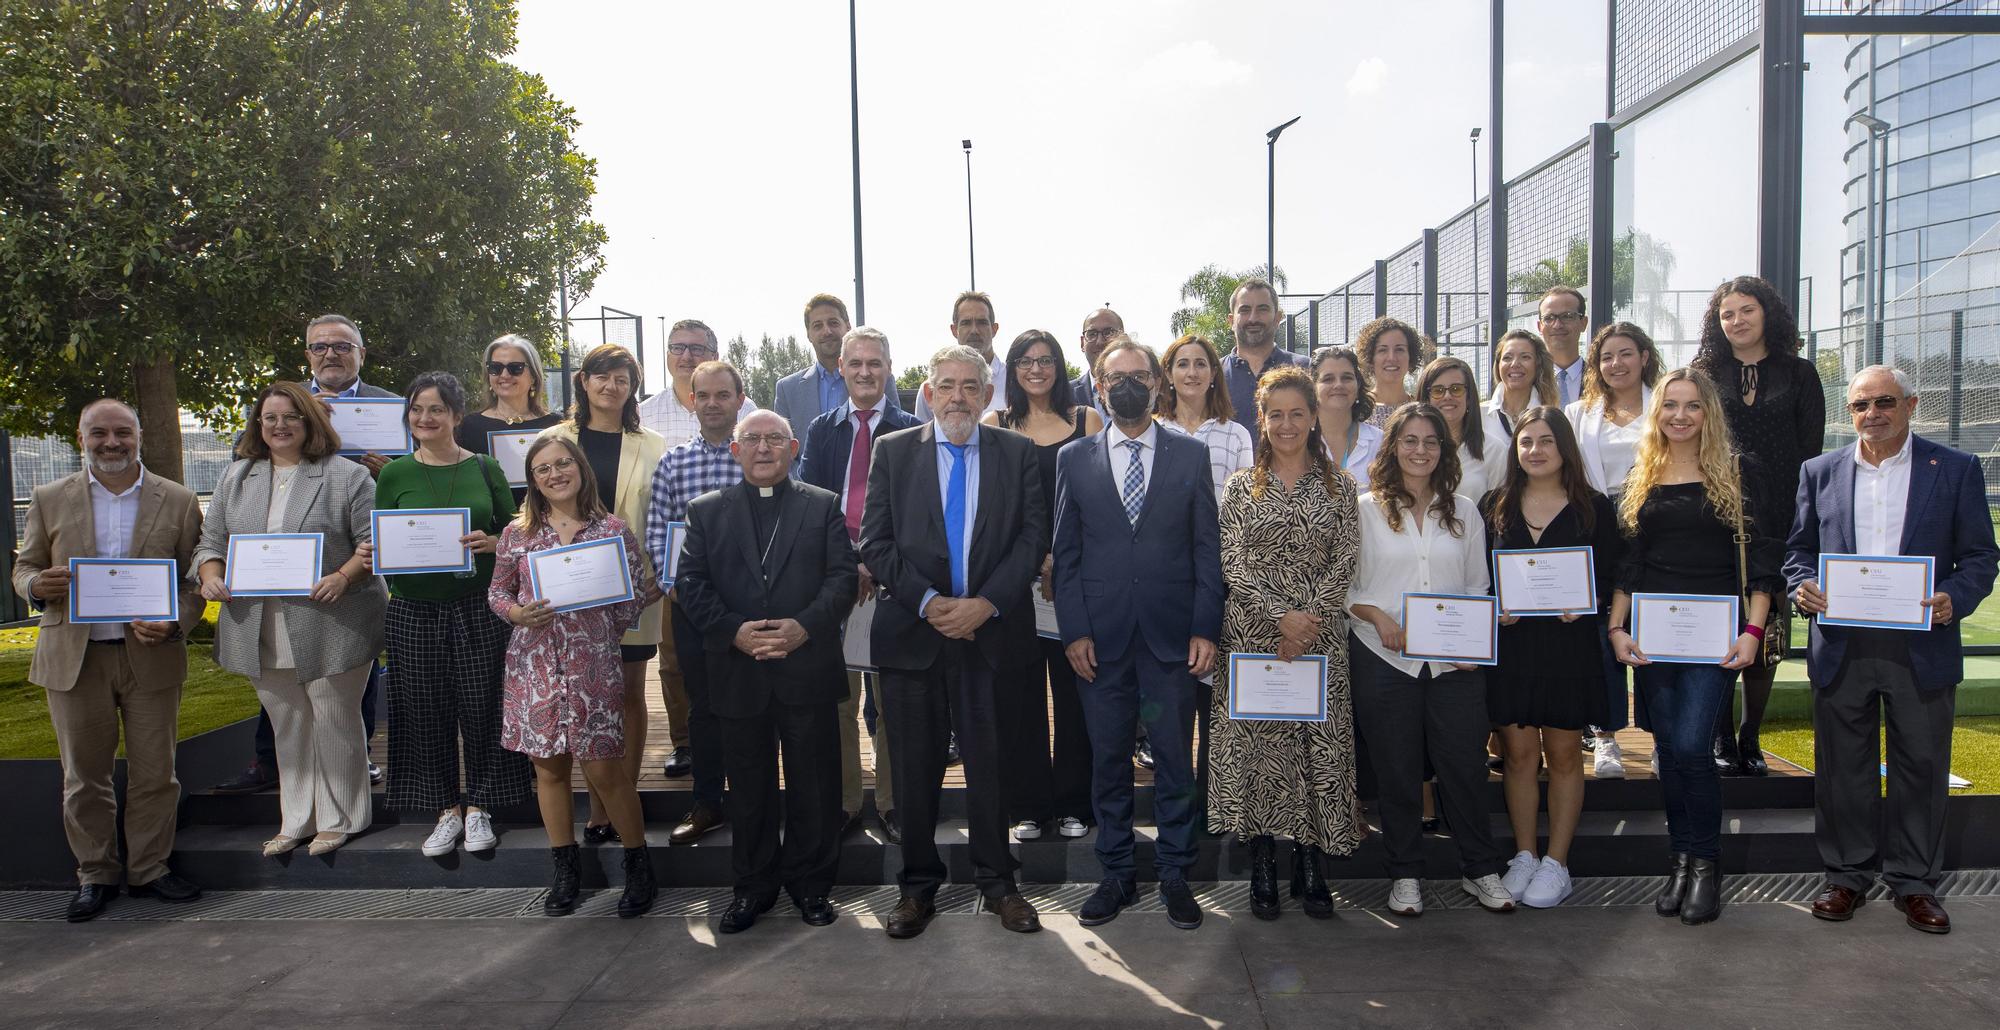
x: 479, y: 832
x: 1610, y: 764
x: 1406, y: 897
x: 444, y: 836
x: 1487, y: 891
x: 1071, y: 826
x: 1027, y: 829
x: 1550, y: 885
x: 1520, y: 869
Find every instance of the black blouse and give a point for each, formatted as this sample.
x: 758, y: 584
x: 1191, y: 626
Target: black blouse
x: 1684, y: 547
x: 1541, y: 648
x: 1786, y: 426
x: 602, y: 450
x: 472, y: 431
x: 1607, y: 545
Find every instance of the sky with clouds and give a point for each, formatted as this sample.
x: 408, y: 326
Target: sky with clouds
x: 1118, y: 146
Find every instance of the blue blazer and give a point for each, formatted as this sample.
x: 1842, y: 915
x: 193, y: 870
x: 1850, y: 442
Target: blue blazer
x: 796, y: 400
x: 829, y: 440
x: 1946, y: 519
x: 1159, y: 581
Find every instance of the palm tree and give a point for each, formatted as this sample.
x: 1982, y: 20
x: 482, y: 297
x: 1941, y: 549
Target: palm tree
x: 1209, y: 291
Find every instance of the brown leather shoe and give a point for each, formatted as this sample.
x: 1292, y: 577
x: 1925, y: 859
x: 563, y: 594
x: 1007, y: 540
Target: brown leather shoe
x: 1923, y: 912
x: 700, y: 821
x: 1015, y: 913
x: 1836, y: 904
x: 910, y: 917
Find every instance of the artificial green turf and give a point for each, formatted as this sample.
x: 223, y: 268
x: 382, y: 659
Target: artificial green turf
x: 211, y: 698
x: 1975, y: 748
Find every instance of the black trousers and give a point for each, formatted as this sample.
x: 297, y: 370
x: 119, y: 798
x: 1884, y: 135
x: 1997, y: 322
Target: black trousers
x: 924, y: 707
x: 1850, y: 826
x: 809, y: 815
x: 705, y: 737
x: 1039, y: 785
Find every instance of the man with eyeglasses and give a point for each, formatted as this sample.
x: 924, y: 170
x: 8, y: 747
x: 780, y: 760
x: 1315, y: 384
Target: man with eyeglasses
x: 1886, y: 499
x: 1254, y: 318
x: 1562, y: 322
x: 1098, y: 330
x: 974, y: 325
x: 819, y: 387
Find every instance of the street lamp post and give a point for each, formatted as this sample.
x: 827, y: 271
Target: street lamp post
x: 1474, y: 139
x: 1271, y: 199
x: 1876, y: 266
x: 854, y: 102
x: 971, y: 254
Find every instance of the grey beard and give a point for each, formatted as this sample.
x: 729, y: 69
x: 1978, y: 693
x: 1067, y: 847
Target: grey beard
x: 114, y: 469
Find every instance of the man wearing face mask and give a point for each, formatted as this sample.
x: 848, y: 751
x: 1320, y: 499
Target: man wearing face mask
x: 1138, y: 578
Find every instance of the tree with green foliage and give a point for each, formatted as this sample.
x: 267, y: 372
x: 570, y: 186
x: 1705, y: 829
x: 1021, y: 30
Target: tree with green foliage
x: 774, y: 359
x: 184, y: 184
x: 1641, y: 267
x: 1206, y: 294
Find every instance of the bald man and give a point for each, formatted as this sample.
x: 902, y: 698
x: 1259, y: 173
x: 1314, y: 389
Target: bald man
x: 1098, y: 330
x: 101, y: 676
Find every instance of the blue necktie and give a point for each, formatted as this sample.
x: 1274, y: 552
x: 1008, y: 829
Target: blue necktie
x: 1135, y: 483
x: 954, y: 517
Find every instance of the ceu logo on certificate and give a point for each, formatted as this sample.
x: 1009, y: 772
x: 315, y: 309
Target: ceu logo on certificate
x: 1457, y: 628
x: 1264, y: 686
x: 1876, y: 591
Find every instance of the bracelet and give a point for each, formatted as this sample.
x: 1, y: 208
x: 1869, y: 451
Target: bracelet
x: 1755, y: 631
x: 344, y: 577
x: 1617, y: 629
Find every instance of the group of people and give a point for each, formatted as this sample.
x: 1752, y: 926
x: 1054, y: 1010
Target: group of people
x: 1053, y: 576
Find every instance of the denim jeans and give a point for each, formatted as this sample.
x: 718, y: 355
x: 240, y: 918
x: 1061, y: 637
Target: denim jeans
x: 1682, y: 701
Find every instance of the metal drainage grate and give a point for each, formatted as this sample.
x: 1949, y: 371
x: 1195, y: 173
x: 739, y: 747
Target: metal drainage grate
x: 958, y: 899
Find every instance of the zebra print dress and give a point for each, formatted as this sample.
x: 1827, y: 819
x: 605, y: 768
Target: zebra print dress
x: 1287, y: 551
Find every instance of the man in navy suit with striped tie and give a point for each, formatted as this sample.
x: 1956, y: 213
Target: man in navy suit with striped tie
x: 1138, y: 582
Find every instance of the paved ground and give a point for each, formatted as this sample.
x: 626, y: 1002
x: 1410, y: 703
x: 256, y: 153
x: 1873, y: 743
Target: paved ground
x: 1762, y: 965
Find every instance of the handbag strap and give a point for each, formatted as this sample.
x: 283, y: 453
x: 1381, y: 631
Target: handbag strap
x: 1742, y: 537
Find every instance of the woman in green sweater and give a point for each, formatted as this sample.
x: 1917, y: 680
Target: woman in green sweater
x: 446, y: 647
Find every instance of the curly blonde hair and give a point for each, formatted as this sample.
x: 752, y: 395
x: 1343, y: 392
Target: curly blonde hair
x: 1715, y: 457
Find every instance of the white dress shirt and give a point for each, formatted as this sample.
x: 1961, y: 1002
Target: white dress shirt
x: 663, y: 413
x: 1478, y: 475
x: 1422, y: 559
x: 1367, y: 444
x: 1121, y: 456
x: 112, y: 518
x: 1607, y: 448
x: 1881, y: 499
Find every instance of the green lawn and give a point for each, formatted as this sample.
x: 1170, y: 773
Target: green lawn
x: 211, y: 698
x: 1975, y: 748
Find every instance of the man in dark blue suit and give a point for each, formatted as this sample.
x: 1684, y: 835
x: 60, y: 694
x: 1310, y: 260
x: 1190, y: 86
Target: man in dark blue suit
x: 1889, y: 493
x: 838, y: 451
x: 1138, y: 578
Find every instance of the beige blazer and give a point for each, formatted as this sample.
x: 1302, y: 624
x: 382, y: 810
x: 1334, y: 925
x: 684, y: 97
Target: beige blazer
x: 61, y: 526
x: 637, y: 460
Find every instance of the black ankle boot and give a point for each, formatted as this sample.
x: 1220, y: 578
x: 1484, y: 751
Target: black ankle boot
x: 1671, y: 897
x: 1728, y: 761
x: 561, y: 899
x: 1750, y: 752
x: 1704, y: 892
x: 639, y: 886
x: 1263, y: 878
x: 1308, y: 885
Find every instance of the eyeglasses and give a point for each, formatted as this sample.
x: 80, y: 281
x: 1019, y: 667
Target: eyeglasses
x: 289, y: 418
x: 689, y: 348
x: 1452, y: 390
x: 1100, y: 334
x: 337, y: 348
x: 512, y: 368
x: 548, y: 467
x: 1039, y: 361
x: 753, y: 440
x: 1117, y: 379
x: 1563, y: 316
x: 1882, y: 403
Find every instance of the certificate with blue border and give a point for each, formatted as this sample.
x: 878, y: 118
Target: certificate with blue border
x: 586, y: 575
x: 676, y: 537
x: 1460, y: 628
x: 272, y: 564
x: 371, y: 425
x: 1293, y: 691
x: 509, y: 447
x: 107, y: 590
x: 1874, y: 590
x: 1691, y: 629
x: 416, y: 540
x: 1524, y: 577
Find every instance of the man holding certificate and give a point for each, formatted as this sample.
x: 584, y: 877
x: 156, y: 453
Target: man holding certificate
x: 1895, y: 502
x: 123, y: 667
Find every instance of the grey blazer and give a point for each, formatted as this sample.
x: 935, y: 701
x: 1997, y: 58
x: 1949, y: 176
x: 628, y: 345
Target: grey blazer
x: 331, y: 497
x: 796, y: 400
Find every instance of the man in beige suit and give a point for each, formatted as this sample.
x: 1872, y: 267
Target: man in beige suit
x: 100, y: 675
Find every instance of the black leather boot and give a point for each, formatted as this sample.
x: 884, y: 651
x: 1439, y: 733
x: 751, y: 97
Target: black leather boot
x: 561, y: 899
x: 1263, y: 878
x: 1704, y: 892
x: 1750, y: 752
x: 1671, y: 897
x: 1728, y: 760
x: 639, y: 886
x: 1308, y: 885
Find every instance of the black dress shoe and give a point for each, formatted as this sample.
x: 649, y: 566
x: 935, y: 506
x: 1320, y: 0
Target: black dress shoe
x: 1142, y: 753
x: 680, y: 762
x: 89, y: 900
x: 1112, y: 895
x: 168, y: 888
x: 743, y: 913
x: 605, y: 834
x: 1015, y: 913
x: 1728, y: 760
x: 951, y: 755
x: 1182, y: 910
x: 258, y: 777
x: 816, y: 911
x: 892, y: 827
x: 910, y: 917
x: 1751, y: 751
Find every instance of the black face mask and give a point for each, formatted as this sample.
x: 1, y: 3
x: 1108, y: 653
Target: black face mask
x: 1131, y: 400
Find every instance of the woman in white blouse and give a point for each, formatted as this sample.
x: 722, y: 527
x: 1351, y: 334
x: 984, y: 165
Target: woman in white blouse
x: 1524, y: 376
x: 1195, y: 403
x: 1418, y: 536
x: 1448, y: 385
x: 1617, y: 387
x: 1344, y: 406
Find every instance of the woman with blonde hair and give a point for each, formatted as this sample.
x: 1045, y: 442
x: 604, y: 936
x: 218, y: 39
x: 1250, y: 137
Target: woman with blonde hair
x: 515, y: 392
x: 1524, y: 376
x: 1192, y: 400
x: 1683, y: 503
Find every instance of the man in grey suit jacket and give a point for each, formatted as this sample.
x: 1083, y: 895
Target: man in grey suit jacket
x: 817, y: 388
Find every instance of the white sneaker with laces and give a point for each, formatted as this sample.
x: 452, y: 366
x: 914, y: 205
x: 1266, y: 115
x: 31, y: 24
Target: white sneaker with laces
x: 1520, y: 869
x: 1550, y: 885
x: 444, y: 836
x: 1071, y: 826
x: 1027, y: 829
x: 479, y: 834
x: 1610, y: 763
x: 1487, y: 891
x: 1406, y: 897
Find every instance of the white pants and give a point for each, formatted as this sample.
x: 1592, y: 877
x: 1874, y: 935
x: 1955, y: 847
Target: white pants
x: 322, y: 753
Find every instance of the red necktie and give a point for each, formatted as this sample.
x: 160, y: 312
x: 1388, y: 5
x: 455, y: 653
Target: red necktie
x: 857, y: 473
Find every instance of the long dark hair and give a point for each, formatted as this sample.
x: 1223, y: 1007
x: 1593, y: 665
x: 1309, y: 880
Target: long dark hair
x: 1472, y: 426
x: 1781, y: 329
x: 1216, y: 404
x: 602, y: 360
x: 1060, y: 400
x: 1289, y: 377
x: 1385, y: 473
x: 1506, y: 506
x: 1594, y: 392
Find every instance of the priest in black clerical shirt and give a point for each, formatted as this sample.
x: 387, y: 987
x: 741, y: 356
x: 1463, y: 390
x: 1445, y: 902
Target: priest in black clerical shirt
x: 767, y: 575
